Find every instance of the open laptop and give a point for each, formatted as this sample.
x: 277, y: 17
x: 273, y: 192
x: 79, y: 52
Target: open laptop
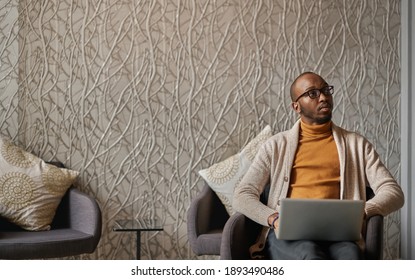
x: 320, y: 219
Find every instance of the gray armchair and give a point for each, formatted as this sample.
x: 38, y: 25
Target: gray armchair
x: 76, y: 229
x: 235, y: 245
x: 212, y: 232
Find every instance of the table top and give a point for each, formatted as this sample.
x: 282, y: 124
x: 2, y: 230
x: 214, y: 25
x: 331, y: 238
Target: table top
x: 142, y: 224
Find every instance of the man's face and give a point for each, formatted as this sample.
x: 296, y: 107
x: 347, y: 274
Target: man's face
x: 312, y: 111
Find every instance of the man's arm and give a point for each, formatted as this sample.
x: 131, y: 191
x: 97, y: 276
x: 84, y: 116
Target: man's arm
x: 247, y: 194
x: 388, y: 194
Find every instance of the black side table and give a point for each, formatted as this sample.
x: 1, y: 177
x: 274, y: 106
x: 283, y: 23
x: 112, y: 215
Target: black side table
x: 138, y: 225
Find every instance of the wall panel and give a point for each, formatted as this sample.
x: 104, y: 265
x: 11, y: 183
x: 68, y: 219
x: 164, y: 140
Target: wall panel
x: 140, y: 95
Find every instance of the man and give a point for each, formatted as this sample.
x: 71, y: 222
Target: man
x: 314, y: 159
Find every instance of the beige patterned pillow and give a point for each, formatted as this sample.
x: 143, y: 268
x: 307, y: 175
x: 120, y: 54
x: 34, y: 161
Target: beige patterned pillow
x: 30, y: 189
x: 222, y: 177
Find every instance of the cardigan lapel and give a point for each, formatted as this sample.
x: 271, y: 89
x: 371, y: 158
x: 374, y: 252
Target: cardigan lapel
x: 294, y: 138
x: 340, y: 143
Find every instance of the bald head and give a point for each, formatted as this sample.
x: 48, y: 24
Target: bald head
x: 298, y: 80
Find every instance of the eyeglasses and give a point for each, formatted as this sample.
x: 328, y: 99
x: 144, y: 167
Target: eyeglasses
x: 315, y: 93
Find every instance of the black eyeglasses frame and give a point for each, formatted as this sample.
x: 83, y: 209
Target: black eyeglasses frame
x: 315, y: 93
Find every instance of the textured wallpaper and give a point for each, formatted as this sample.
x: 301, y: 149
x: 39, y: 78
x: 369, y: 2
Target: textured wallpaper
x: 140, y: 95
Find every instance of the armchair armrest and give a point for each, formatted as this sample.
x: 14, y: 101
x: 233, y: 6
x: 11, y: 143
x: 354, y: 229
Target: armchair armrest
x: 84, y: 213
x: 85, y: 216
x: 238, y: 235
x: 374, y: 238
x: 80, y: 212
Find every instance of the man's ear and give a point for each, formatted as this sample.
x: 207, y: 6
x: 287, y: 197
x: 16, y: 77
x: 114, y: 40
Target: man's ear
x: 296, y: 107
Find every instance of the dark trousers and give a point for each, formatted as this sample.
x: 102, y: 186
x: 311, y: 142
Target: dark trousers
x: 310, y: 250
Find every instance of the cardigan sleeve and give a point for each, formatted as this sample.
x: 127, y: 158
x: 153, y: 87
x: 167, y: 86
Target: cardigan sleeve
x: 247, y: 193
x: 388, y: 194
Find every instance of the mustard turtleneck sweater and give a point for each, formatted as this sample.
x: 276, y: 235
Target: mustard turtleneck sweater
x: 316, y: 169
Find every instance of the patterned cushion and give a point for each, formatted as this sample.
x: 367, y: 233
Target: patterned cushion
x: 222, y: 177
x: 30, y: 189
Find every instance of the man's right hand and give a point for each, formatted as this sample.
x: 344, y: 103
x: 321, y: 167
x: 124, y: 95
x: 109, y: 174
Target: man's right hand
x: 273, y: 220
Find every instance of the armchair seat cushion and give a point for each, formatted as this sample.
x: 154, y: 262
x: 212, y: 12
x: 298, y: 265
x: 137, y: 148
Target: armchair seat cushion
x: 43, y: 244
x: 209, y: 243
x: 40, y: 237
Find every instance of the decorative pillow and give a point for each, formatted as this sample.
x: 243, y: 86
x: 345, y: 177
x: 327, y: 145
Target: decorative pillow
x: 222, y: 177
x: 30, y: 189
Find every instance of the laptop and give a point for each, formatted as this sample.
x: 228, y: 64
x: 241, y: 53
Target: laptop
x: 320, y: 219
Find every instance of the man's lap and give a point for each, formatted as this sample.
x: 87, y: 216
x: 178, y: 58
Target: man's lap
x: 310, y: 250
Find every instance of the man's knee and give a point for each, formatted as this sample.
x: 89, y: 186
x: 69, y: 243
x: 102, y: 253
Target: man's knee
x: 309, y: 250
x: 345, y: 251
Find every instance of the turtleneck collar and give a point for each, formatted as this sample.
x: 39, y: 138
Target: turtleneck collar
x: 318, y: 130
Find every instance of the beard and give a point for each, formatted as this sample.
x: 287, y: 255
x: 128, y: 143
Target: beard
x: 317, y: 116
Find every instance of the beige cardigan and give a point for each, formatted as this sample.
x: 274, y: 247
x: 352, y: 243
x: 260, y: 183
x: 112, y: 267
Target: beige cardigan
x: 360, y: 166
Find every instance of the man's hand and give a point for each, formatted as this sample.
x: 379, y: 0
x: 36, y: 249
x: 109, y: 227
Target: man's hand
x: 273, y: 220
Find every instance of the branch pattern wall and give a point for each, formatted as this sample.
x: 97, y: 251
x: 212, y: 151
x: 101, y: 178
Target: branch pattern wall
x: 140, y: 95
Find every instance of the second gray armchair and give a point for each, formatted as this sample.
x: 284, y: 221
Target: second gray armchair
x: 75, y: 230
